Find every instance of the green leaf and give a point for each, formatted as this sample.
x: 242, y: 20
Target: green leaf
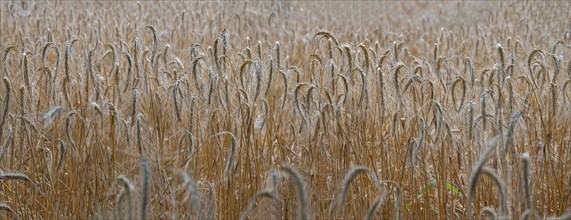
x: 453, y: 189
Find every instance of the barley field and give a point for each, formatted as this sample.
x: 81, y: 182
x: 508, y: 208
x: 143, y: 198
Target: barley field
x: 285, y: 110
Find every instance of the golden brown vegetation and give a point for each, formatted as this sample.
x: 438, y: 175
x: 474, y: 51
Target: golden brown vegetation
x: 375, y: 110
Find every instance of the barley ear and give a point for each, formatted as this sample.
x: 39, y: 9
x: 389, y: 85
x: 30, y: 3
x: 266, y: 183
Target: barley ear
x: 470, y: 65
x: 476, y: 171
x: 501, y: 189
x: 270, y: 76
x: 5, y: 207
x: 175, y: 91
x: 5, y: 58
x: 61, y: 154
x: 25, y: 69
x: 146, y: 178
x: 15, y: 176
x: 398, y: 202
x: 301, y: 193
x: 529, y: 213
x: 230, y: 161
x: 6, y: 103
x: 396, y: 71
x: 139, y: 141
x: 6, y: 142
x: 566, y: 216
x: 435, y: 52
x: 191, y: 144
x: 373, y: 208
x: 502, y: 62
x: 489, y: 211
x: 345, y: 188
x: 262, y: 194
x: 258, y: 74
x: 68, y: 130
x: 190, y: 191
x: 364, y: 92
x: 134, y: 105
x: 278, y: 54
x: 367, y: 63
x: 463, y: 84
x: 127, y: 191
x: 155, y: 42
x: 284, y: 79
x: 327, y: 35
x: 511, y: 127
x: 526, y: 169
